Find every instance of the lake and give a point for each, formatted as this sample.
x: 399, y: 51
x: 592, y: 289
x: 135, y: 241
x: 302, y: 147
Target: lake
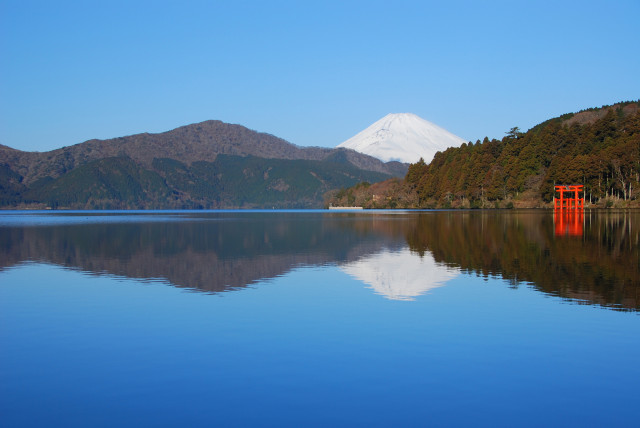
x: 316, y: 318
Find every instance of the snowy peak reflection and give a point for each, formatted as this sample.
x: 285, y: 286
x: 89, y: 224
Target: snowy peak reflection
x: 400, y: 275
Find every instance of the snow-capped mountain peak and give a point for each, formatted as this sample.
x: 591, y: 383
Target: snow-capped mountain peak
x: 403, y: 137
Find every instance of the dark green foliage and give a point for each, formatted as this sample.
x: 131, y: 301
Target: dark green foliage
x: 514, y: 133
x: 257, y: 182
x: 10, y: 185
x: 228, y: 182
x: 107, y: 183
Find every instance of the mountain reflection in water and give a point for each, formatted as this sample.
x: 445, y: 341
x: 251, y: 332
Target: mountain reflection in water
x: 400, y: 275
x: 399, y: 255
x: 212, y: 252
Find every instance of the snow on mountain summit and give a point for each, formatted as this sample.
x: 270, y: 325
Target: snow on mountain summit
x: 402, y: 137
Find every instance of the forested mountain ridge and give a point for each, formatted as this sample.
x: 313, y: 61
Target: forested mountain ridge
x: 202, y: 141
x: 598, y: 147
x: 205, y: 165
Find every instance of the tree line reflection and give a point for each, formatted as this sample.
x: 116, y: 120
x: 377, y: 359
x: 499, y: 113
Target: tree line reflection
x: 602, y: 266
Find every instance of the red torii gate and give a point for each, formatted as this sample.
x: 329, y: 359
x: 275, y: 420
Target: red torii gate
x: 569, y: 203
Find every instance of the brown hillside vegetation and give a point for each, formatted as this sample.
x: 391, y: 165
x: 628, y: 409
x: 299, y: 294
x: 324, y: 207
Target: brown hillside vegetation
x: 590, y: 116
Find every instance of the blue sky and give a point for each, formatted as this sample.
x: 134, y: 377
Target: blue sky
x: 313, y: 73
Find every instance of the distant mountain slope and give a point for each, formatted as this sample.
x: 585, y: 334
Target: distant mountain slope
x: 197, y: 142
x: 402, y: 137
x: 206, y: 165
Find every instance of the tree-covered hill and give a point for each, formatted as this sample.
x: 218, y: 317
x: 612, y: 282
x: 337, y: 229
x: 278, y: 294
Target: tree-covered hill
x: 599, y: 148
x: 206, y: 165
x: 228, y: 182
x: 191, y: 143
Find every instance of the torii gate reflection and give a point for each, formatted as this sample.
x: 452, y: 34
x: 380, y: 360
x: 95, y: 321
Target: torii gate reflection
x: 568, y: 211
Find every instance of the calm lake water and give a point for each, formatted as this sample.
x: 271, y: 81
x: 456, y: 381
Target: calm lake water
x: 318, y: 318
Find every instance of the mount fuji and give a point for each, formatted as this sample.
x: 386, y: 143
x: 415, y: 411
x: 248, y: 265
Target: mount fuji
x: 402, y: 137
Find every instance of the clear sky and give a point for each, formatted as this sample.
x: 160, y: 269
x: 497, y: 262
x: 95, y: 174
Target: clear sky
x: 313, y: 73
